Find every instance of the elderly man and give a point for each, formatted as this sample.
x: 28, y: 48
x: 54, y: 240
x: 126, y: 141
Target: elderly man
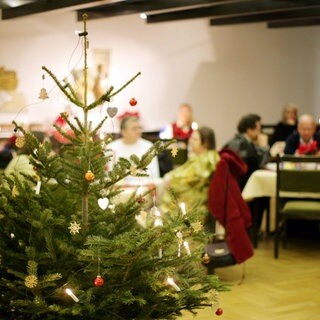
x: 132, y: 143
x: 305, y: 141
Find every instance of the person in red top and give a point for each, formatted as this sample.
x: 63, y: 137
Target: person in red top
x: 182, y: 128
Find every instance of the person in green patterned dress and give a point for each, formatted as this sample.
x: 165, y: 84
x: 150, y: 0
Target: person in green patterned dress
x: 190, y: 181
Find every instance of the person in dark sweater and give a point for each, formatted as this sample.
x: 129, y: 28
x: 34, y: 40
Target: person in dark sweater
x: 287, y: 125
x: 248, y: 146
x: 304, y: 141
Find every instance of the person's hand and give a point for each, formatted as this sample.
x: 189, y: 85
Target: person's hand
x: 262, y: 140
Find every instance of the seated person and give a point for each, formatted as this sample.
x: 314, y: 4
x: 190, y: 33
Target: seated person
x: 304, y: 141
x: 20, y: 164
x: 7, y: 152
x: 254, y: 153
x: 132, y: 143
x: 287, y: 125
x: 190, y: 181
x: 181, y: 129
x: 248, y: 145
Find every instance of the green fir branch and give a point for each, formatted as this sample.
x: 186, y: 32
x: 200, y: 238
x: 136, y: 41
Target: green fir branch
x: 69, y: 86
x: 98, y: 127
x: 65, y: 134
x: 80, y: 125
x: 65, y: 116
x: 101, y: 100
x: 63, y: 89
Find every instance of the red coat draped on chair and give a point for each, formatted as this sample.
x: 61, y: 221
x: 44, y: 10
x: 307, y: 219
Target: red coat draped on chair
x: 227, y: 205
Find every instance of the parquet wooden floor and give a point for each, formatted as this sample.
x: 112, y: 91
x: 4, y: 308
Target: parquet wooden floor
x: 283, y: 289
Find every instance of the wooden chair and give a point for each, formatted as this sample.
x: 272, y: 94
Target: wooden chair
x: 298, y: 192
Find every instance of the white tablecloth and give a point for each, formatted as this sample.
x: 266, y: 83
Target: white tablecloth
x: 262, y: 183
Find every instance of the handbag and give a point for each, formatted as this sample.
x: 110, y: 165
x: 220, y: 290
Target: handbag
x: 217, y: 253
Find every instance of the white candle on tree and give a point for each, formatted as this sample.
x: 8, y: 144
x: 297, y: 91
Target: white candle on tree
x: 183, y: 208
x: 186, y: 246
x: 72, y: 295
x: 173, y: 284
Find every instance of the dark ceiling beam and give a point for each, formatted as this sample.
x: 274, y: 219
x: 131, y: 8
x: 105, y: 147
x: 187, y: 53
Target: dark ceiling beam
x: 264, y: 17
x: 140, y: 6
x: 47, y: 5
x: 294, y: 23
x: 233, y: 9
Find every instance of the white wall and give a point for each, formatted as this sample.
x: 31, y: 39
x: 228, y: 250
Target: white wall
x: 223, y: 72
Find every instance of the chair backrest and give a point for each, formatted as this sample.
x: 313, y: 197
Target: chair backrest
x: 298, y: 174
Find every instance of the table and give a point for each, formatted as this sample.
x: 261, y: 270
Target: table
x: 262, y: 183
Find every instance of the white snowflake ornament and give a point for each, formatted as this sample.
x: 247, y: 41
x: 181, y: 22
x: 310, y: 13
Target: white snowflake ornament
x: 74, y: 227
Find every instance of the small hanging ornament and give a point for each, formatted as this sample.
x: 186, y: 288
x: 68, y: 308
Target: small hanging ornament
x: 43, y: 92
x: 20, y: 142
x: 133, y: 102
x: 98, y: 281
x: 174, y: 152
x: 206, y: 258
x: 43, y: 95
x: 219, y: 312
x: 74, y: 227
x: 103, y: 203
x: 31, y: 281
x: 197, y: 226
x: 112, y: 111
x: 89, y: 176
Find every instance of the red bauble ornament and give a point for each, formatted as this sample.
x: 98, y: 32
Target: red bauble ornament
x: 219, y: 312
x: 98, y: 281
x: 133, y: 102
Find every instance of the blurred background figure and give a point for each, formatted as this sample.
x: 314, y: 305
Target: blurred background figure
x: 249, y: 146
x: 255, y: 153
x: 182, y: 128
x: 7, y: 152
x: 190, y: 181
x: 304, y: 141
x: 132, y: 143
x: 20, y: 164
x: 287, y: 125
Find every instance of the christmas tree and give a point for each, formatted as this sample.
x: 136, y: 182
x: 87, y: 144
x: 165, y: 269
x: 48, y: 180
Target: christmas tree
x: 69, y: 252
